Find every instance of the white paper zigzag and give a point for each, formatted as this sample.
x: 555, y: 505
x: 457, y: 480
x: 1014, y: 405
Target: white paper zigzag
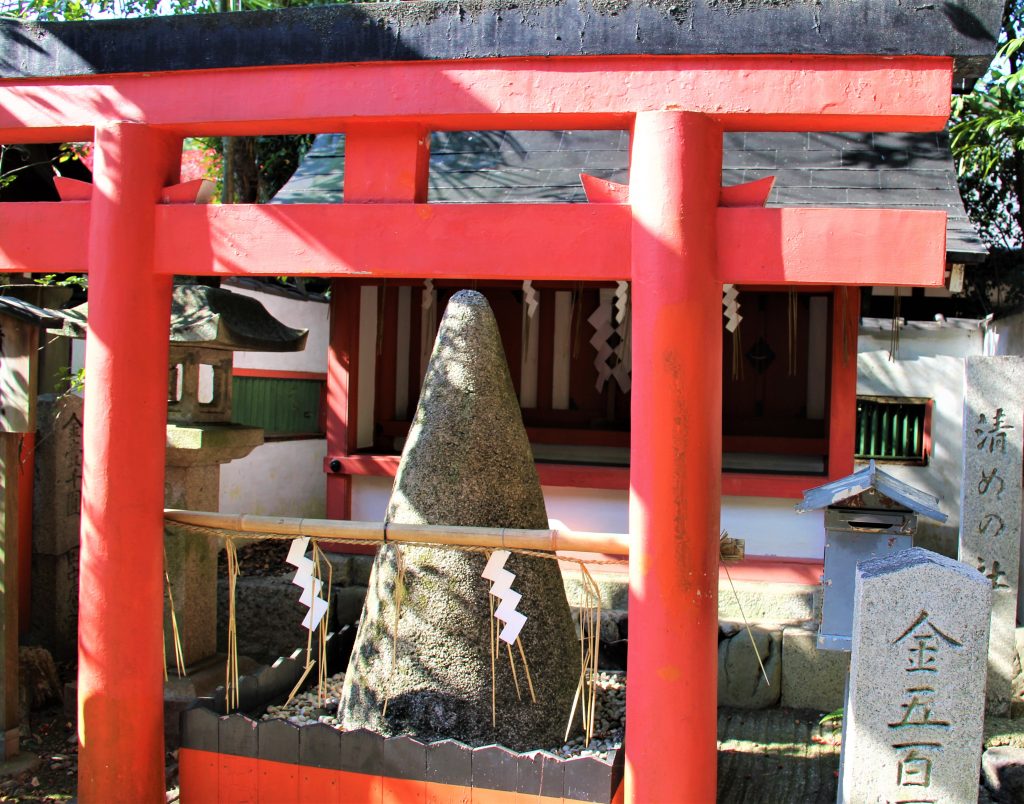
x: 310, y: 586
x: 501, y: 587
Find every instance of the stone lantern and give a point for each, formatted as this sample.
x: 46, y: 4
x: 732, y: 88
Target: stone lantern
x: 207, y: 326
x: 867, y: 515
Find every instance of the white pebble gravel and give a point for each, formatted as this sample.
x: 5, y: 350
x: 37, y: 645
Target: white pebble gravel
x: 306, y: 708
x: 609, y: 721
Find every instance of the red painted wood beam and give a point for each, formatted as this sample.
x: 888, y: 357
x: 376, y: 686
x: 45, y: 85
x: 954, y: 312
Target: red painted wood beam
x: 743, y: 93
x: 676, y: 459
x: 567, y: 242
x: 569, y: 475
x: 120, y: 615
x: 452, y: 241
x: 383, y: 165
x: 28, y: 241
x: 839, y: 246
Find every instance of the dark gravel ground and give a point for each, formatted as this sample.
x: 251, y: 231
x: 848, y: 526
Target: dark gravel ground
x: 54, y: 741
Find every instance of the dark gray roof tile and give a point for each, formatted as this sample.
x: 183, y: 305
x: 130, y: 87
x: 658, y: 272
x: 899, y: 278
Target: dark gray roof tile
x: 811, y: 169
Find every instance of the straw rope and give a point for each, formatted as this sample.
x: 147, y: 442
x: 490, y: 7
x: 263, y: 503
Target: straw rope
x: 179, y: 654
x: 584, y: 699
x: 231, y: 667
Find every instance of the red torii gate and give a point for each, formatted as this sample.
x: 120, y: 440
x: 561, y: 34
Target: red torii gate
x: 672, y: 241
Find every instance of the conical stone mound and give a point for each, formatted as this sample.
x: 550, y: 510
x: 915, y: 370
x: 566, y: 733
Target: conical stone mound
x: 467, y: 461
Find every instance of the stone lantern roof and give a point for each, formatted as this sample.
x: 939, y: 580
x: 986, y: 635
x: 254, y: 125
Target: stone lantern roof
x: 205, y: 317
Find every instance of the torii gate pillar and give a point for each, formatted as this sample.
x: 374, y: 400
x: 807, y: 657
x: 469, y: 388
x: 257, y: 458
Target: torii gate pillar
x: 675, y: 466
x: 120, y: 615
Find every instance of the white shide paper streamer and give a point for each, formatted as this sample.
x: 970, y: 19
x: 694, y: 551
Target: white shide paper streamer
x: 501, y: 587
x: 310, y: 586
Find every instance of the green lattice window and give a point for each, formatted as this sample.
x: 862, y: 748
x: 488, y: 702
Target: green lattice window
x: 281, y: 406
x: 893, y: 429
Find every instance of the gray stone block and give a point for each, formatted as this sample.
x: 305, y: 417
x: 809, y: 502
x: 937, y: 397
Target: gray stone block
x: 191, y: 565
x: 990, y: 503
x: 55, y: 602
x: 57, y: 491
x: 614, y: 589
x: 740, y: 680
x: 268, y: 617
x: 341, y: 568
x: 348, y: 604
x: 912, y: 726
x: 781, y: 603
x: 1017, y: 701
x: 467, y: 461
x: 1002, y: 769
x: 362, y: 566
x: 811, y: 678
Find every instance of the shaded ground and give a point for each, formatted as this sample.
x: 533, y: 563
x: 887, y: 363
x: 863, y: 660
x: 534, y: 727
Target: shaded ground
x: 776, y: 755
x: 55, y: 742
x: 770, y: 756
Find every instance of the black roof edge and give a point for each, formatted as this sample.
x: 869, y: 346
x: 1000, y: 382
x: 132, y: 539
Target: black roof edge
x: 966, y: 257
x: 966, y: 30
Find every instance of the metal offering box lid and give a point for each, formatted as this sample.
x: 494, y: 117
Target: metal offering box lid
x: 866, y: 479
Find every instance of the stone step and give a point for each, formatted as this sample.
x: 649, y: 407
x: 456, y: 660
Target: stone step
x: 781, y: 603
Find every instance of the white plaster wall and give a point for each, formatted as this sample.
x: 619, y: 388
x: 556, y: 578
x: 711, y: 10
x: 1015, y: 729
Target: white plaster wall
x: 280, y: 478
x: 1005, y: 336
x: 770, y: 526
x: 930, y: 364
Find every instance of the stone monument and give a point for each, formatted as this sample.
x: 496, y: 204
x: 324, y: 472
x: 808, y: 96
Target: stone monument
x: 990, y: 503
x: 915, y: 704
x: 467, y: 461
x: 57, y: 522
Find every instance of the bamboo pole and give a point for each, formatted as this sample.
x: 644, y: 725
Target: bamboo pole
x: 348, y: 530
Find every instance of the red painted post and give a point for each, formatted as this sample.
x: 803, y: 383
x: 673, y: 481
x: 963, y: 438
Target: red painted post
x: 383, y: 163
x: 120, y: 621
x: 342, y: 392
x: 675, y: 459
x: 842, y: 427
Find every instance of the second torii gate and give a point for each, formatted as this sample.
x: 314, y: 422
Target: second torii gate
x: 136, y: 98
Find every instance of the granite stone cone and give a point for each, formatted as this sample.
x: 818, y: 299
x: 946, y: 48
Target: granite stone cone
x: 467, y: 461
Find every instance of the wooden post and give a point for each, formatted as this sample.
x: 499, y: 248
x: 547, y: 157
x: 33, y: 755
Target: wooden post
x: 383, y: 163
x: 19, y: 349
x: 9, y: 714
x: 120, y: 648
x: 675, y: 474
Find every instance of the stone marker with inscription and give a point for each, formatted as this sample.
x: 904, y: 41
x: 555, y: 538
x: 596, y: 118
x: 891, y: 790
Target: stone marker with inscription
x: 56, y: 522
x: 915, y: 705
x: 990, y: 502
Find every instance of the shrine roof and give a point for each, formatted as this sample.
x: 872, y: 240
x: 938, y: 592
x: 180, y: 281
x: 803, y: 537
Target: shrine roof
x: 847, y: 489
x: 477, y: 29
x: 908, y: 171
x: 24, y: 311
